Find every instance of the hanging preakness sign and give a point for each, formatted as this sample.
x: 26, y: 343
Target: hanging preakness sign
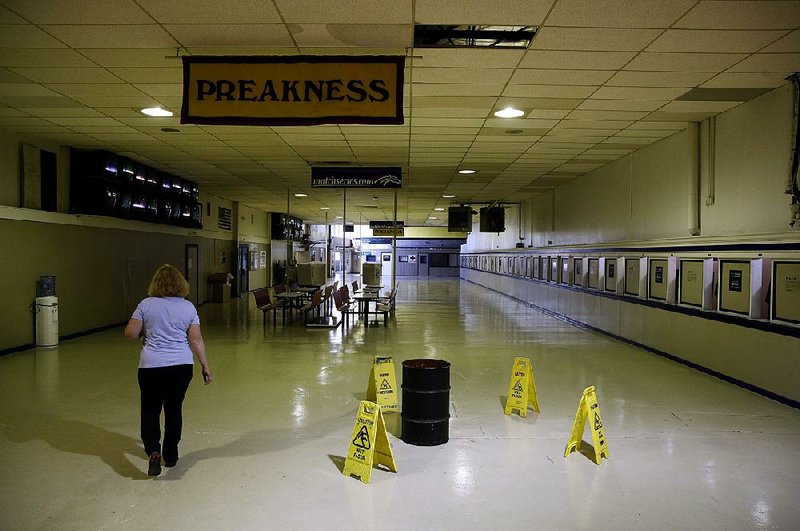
x: 358, y: 177
x: 292, y: 90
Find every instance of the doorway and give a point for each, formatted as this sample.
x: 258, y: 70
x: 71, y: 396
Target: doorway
x: 386, y: 264
x: 423, y: 265
x: 243, y: 270
x: 191, y: 270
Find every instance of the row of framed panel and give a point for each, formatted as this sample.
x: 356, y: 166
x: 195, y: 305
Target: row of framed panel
x: 759, y: 288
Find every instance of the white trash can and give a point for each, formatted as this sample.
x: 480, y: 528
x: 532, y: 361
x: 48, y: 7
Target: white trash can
x: 46, y: 321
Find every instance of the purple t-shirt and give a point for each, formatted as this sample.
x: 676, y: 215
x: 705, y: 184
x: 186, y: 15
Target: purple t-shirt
x: 165, y: 325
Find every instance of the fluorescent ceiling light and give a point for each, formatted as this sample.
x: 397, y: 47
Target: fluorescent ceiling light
x: 300, y: 195
x: 339, y: 217
x: 433, y: 217
x: 467, y: 172
x: 509, y: 112
x: 324, y: 208
x: 156, y: 111
x: 439, y: 209
x: 448, y: 196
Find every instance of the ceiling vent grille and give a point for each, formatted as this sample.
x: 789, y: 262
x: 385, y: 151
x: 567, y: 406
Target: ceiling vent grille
x: 471, y: 36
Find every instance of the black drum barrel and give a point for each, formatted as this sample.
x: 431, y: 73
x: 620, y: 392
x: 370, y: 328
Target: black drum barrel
x: 426, y: 402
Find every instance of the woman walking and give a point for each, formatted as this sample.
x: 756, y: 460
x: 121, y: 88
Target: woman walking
x: 170, y: 328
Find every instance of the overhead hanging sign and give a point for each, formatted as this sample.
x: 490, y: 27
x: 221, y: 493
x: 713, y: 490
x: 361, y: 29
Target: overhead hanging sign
x: 292, y: 90
x: 381, y: 224
x: 359, y: 177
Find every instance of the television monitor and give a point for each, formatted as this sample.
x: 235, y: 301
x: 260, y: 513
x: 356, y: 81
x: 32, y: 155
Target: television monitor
x: 493, y: 219
x: 459, y: 219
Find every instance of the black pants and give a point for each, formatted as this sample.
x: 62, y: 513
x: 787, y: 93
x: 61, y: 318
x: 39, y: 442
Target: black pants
x: 163, y: 387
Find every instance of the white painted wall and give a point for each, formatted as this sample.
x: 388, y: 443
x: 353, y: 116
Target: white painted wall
x: 644, y: 196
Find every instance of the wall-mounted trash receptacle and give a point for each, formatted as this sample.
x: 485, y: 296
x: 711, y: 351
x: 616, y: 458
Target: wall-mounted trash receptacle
x: 46, y: 321
x: 426, y: 402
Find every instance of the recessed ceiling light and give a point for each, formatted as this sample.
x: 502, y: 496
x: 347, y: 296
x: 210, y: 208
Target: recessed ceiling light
x: 324, y: 208
x: 509, y: 112
x: 448, y: 196
x: 339, y: 217
x: 466, y: 172
x: 156, y: 111
x: 433, y: 217
x: 300, y: 195
x: 439, y: 209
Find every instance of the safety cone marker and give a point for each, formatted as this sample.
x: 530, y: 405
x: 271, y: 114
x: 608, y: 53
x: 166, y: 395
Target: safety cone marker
x: 521, y: 388
x: 588, y: 408
x: 369, y: 444
x: 382, y: 385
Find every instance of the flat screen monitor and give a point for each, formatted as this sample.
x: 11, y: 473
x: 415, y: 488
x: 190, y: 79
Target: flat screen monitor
x: 493, y: 219
x: 459, y: 219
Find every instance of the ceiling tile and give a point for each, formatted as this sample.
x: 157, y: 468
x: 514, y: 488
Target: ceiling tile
x: 150, y: 75
x: 63, y: 112
x: 548, y: 91
x: 211, y: 11
x: 618, y: 13
x: 10, y: 57
x: 679, y: 116
x: 788, y: 44
x: 466, y: 58
x: 684, y: 62
x: 621, y: 105
x: 461, y: 75
x: 593, y: 39
x: 560, y: 77
x: 346, y: 11
x: 509, y: 12
x: 102, y: 89
x: 745, y: 80
x: 642, y: 124
x: 112, y: 36
x: 554, y: 59
x: 637, y: 93
x: 699, y: 106
x: 134, y: 57
x: 452, y: 89
x: 711, y: 41
x: 742, y: 15
x: 8, y: 17
x: 161, y: 89
x: 24, y: 89
x: 231, y: 34
x: 90, y: 12
x: 658, y: 79
x: 579, y: 114
x: 7, y: 76
x: 26, y: 36
x: 353, y: 35
x: 769, y: 62
x: 67, y: 75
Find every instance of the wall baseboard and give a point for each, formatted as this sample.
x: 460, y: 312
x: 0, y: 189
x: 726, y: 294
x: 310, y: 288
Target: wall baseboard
x: 65, y: 337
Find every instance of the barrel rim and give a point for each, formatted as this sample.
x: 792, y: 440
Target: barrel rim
x: 426, y: 364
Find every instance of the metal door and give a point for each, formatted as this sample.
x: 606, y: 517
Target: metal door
x: 423, y: 265
x: 191, y: 270
x: 243, y: 269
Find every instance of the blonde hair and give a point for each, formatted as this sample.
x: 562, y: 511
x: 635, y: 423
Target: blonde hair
x: 168, y: 282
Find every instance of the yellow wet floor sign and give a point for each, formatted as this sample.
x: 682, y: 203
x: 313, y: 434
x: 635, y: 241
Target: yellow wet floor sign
x: 369, y: 444
x: 588, y: 408
x: 521, y: 389
x: 382, y: 385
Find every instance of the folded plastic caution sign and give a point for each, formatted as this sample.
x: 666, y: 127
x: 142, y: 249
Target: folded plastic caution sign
x: 369, y: 444
x: 382, y: 386
x: 521, y: 389
x: 588, y: 408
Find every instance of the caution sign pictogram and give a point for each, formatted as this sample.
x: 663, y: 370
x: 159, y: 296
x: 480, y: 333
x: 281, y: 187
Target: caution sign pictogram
x: 382, y: 385
x: 521, y: 388
x: 361, y: 440
x: 588, y: 407
x: 369, y: 445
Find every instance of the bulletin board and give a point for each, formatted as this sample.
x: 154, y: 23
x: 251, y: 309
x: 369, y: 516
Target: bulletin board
x: 734, y: 286
x: 611, y: 274
x: 594, y: 272
x: 786, y: 291
x: 691, y: 282
x: 632, y: 276
x: 658, y: 279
